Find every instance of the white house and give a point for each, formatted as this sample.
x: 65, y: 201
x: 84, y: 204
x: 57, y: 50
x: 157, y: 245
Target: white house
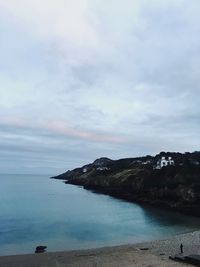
x: 102, y: 168
x: 164, y: 162
x: 85, y: 170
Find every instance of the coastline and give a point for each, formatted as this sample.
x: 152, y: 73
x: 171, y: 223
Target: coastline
x: 174, y: 186
x: 155, y: 253
x: 190, y: 210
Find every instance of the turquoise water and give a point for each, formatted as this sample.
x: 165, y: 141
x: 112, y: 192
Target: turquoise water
x: 37, y: 210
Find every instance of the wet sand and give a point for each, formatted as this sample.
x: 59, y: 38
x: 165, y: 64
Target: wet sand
x: 150, y: 254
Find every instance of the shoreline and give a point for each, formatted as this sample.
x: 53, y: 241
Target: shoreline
x: 154, y: 253
x: 189, y: 210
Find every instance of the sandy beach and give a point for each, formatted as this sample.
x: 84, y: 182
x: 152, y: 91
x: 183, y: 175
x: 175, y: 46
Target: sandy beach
x: 149, y: 254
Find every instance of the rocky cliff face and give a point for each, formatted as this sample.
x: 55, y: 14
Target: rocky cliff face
x: 134, y: 179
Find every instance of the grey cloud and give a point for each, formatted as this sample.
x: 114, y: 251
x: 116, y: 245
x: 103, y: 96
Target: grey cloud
x: 135, y: 78
x: 36, y: 150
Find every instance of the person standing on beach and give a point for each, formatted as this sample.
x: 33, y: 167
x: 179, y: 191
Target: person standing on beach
x: 181, y: 247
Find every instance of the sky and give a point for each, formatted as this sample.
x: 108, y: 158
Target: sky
x: 83, y: 79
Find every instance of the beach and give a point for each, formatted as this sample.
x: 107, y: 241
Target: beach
x: 150, y: 254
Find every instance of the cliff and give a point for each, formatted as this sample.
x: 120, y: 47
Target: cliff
x: 135, y: 179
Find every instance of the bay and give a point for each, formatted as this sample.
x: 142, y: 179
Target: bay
x: 36, y: 210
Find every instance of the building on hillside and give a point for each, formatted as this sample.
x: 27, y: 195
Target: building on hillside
x: 163, y: 162
x: 146, y: 162
x: 85, y: 170
x: 102, y: 168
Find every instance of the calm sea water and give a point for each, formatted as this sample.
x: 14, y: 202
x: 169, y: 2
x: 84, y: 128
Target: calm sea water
x: 37, y: 210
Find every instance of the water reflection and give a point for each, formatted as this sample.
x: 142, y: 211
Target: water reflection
x: 38, y: 210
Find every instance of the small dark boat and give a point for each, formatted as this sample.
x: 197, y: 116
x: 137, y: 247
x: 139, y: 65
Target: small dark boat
x: 40, y: 249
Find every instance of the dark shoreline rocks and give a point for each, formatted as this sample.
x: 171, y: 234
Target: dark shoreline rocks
x: 136, y: 180
x: 193, y: 210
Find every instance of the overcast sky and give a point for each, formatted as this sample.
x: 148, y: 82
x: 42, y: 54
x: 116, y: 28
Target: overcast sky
x: 82, y: 79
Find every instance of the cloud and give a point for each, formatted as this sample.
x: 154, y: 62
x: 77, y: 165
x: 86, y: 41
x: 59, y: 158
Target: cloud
x: 100, y: 78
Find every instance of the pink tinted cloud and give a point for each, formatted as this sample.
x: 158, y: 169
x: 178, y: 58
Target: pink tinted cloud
x: 61, y: 128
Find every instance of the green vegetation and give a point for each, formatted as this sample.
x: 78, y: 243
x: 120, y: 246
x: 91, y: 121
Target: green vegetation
x: 136, y: 179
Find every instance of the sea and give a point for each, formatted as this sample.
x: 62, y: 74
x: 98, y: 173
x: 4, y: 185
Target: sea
x: 36, y: 210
